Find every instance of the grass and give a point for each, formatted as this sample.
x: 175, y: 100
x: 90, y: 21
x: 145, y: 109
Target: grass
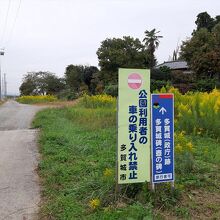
x: 78, y: 149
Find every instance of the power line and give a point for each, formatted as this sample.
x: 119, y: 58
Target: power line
x: 14, y: 23
x: 6, y: 21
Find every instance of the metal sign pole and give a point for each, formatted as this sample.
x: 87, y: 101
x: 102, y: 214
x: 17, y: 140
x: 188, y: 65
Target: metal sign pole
x: 0, y: 79
x: 117, y: 187
x: 153, y: 187
x: 151, y: 141
x: 1, y: 54
x: 172, y: 186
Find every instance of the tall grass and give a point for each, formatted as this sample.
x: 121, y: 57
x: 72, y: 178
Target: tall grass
x: 98, y: 101
x: 92, y: 118
x: 94, y: 112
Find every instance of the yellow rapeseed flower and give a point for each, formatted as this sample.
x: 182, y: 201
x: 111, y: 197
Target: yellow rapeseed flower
x: 190, y: 146
x: 182, y: 133
x: 108, y: 172
x: 94, y: 203
x: 217, y: 106
x: 183, y: 108
x: 37, y: 99
x: 189, y: 111
x: 98, y: 101
x: 179, y: 115
x: 179, y: 148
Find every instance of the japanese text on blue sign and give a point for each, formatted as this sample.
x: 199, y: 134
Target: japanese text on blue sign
x: 162, y: 135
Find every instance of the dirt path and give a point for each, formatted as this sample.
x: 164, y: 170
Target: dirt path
x: 19, y: 186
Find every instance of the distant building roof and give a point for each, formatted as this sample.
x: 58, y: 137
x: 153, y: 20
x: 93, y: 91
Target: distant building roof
x: 174, y: 65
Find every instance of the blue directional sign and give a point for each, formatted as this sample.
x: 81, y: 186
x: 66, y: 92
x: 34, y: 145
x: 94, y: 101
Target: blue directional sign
x: 162, y: 137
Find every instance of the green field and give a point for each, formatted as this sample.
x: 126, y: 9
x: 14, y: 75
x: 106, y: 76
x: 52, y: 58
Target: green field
x: 77, y: 170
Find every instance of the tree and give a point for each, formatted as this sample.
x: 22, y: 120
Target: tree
x: 152, y: 42
x: 97, y: 83
x: 115, y: 53
x: 79, y: 77
x: 73, y: 76
x: 163, y: 73
x: 41, y: 83
x: 53, y: 84
x: 217, y: 19
x: 176, y: 53
x: 28, y: 86
x: 88, y: 75
x: 202, y: 52
x: 204, y: 20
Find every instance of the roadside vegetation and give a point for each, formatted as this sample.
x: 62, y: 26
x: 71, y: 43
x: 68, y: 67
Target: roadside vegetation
x: 197, y: 113
x: 78, y: 159
x: 36, y: 99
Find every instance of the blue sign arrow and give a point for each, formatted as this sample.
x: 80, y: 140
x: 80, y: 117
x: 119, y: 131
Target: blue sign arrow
x: 162, y: 110
x: 162, y: 137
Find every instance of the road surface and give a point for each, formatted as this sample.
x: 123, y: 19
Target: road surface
x: 19, y: 184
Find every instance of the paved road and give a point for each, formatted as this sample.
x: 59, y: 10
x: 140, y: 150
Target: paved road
x: 19, y: 184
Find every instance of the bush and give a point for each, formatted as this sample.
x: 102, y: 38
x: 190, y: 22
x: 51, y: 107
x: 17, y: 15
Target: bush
x: 162, y: 74
x: 98, y: 101
x: 67, y: 94
x: 158, y: 84
x: 185, y: 87
x: 206, y: 85
x: 197, y: 113
x: 36, y: 99
x: 111, y: 90
x: 179, y: 76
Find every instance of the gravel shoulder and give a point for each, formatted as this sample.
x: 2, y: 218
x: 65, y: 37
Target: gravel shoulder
x: 19, y: 183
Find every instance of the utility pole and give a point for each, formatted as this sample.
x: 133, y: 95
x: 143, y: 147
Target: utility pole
x: 2, y: 52
x: 6, y: 87
x: 3, y: 87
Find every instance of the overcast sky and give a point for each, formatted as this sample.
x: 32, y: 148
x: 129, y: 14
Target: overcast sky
x: 48, y: 35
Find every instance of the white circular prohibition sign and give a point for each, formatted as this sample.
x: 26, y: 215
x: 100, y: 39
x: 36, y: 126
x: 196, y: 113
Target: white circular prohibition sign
x: 134, y: 81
